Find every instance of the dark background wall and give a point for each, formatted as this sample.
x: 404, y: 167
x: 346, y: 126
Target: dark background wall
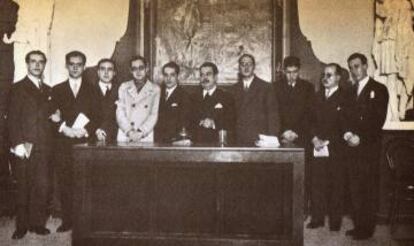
x: 8, y: 19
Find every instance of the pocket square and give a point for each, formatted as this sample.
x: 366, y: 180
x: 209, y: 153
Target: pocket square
x: 218, y: 105
x: 174, y: 105
x: 372, y: 95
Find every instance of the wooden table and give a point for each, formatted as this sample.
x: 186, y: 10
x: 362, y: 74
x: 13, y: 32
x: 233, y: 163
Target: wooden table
x: 200, y: 195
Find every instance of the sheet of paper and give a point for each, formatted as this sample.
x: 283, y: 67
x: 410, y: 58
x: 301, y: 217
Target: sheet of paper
x: 267, y: 141
x: 324, y: 152
x: 28, y: 147
x: 81, y: 121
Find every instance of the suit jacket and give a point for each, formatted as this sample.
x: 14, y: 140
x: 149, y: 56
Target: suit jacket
x: 257, y: 111
x: 295, y: 105
x: 328, y: 120
x: 219, y: 107
x: 86, y: 102
x: 173, y: 115
x: 106, y: 119
x: 137, y: 110
x: 365, y: 116
x: 28, y: 116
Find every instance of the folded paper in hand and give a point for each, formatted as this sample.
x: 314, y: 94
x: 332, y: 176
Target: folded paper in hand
x: 80, y: 121
x: 28, y: 147
x: 267, y: 141
x: 23, y: 150
x: 323, y: 152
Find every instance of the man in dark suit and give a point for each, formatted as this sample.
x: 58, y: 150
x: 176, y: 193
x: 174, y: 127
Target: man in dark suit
x: 257, y: 110
x: 72, y: 97
x: 294, y: 96
x: 328, y: 171
x: 30, y: 131
x: 174, y: 108
x: 365, y: 115
x: 214, y: 108
x: 107, y: 91
x: 295, y: 99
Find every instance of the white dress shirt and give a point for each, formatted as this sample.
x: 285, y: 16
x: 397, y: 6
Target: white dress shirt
x: 36, y: 81
x: 362, y: 84
x: 75, y: 85
x: 169, y: 91
x: 210, y: 92
x: 330, y: 91
x: 247, y: 82
x: 104, y: 87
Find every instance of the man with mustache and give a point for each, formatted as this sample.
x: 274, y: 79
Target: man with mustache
x: 214, y: 108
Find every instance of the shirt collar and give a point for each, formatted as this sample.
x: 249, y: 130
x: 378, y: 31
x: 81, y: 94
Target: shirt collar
x: 362, y: 84
x: 104, y: 86
x: 247, y: 81
x: 75, y: 81
x: 293, y: 84
x: 36, y: 81
x: 170, y: 90
x: 210, y: 92
x: 331, y: 91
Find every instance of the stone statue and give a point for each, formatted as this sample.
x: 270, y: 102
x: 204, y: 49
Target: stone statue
x: 393, y: 51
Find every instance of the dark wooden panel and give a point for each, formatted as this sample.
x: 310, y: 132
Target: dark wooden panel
x: 120, y: 198
x: 160, y: 195
x: 186, y: 199
x: 254, y: 199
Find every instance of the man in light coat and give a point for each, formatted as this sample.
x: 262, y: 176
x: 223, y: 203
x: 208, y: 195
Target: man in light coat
x: 137, y: 105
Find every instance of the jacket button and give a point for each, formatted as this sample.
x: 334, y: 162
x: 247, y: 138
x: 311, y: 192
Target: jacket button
x: 133, y: 105
x: 132, y: 123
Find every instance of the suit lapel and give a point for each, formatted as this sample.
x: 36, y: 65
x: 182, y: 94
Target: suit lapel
x: 173, y: 95
x: 144, y: 93
x: 32, y: 88
x: 364, y: 95
x: 251, y: 94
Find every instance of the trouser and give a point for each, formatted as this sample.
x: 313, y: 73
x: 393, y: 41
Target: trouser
x: 328, y: 181
x: 32, y: 190
x: 64, y: 176
x: 362, y: 173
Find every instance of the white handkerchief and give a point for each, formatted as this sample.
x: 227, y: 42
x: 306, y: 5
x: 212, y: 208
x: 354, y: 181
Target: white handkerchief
x: 80, y: 121
x: 218, y: 105
x: 174, y: 105
x: 324, y: 152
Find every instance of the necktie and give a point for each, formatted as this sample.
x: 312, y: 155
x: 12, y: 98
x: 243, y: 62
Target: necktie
x: 356, y: 89
x: 106, y: 90
x: 327, y: 93
x: 246, y: 86
x: 359, y: 88
x: 40, y: 84
x: 167, y: 94
x: 75, y: 89
x: 207, y: 96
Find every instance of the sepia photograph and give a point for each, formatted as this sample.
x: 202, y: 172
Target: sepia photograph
x: 206, y: 122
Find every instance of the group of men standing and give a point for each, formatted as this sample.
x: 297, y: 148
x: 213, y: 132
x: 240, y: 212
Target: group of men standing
x: 347, y: 122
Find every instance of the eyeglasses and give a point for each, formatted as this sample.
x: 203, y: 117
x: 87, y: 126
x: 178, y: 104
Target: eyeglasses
x: 327, y: 75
